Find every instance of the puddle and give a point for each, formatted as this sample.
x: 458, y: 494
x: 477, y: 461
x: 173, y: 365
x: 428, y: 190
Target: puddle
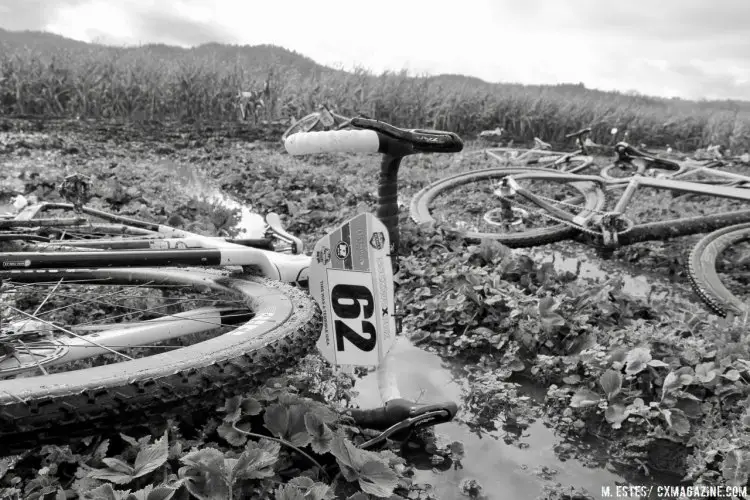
x: 583, y: 262
x: 504, y: 471
x: 251, y: 225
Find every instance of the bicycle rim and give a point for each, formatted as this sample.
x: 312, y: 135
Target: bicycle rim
x: 304, y: 124
x: 719, y: 270
x: 224, y: 332
x: 573, y: 165
x: 444, y: 201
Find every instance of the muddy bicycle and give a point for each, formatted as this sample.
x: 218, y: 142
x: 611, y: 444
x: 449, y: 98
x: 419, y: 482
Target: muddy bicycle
x: 522, y: 207
x: 105, y: 318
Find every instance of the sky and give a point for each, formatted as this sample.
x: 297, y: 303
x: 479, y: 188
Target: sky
x: 691, y: 49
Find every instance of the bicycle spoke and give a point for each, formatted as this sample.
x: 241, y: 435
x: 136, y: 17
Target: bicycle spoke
x: 476, y: 207
x: 65, y: 330
x: 28, y: 351
x: 36, y: 312
x: 131, y: 309
x: 53, y: 326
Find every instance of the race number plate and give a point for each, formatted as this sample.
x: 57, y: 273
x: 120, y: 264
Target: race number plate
x: 351, y: 278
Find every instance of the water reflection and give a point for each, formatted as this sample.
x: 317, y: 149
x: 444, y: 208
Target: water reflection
x: 516, y: 470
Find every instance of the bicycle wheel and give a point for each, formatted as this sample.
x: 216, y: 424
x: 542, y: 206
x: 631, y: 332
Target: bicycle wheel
x: 440, y: 201
x: 94, y: 349
x: 562, y: 162
x: 724, y: 251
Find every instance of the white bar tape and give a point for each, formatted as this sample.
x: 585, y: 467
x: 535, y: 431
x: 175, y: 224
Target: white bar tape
x: 335, y: 141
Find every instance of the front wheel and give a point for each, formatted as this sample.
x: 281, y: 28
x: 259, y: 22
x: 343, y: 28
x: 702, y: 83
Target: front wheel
x: 719, y: 270
x: 93, y: 349
x: 467, y: 204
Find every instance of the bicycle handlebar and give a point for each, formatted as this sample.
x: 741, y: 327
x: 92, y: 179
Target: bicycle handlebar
x: 371, y: 136
x: 398, y: 415
x: 334, y: 141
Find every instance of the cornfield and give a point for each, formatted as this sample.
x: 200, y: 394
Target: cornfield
x: 150, y: 82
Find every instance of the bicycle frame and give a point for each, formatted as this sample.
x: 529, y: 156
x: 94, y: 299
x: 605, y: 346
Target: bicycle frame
x: 710, y: 168
x: 174, y: 247
x: 675, y: 227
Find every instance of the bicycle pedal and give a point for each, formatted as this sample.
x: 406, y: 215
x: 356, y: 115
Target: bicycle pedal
x: 276, y: 229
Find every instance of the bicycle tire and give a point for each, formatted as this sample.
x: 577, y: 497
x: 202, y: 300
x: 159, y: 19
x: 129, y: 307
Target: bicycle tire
x: 702, y: 270
x: 594, y: 199
x: 37, y: 409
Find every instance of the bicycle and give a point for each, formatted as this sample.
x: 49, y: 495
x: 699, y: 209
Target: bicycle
x: 541, y: 156
x: 573, y: 205
x: 215, y: 314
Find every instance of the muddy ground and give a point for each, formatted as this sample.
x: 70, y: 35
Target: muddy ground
x: 165, y: 173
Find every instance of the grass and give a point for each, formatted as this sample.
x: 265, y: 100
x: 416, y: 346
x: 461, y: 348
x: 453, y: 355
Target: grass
x: 45, y: 75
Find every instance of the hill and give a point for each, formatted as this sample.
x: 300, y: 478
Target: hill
x: 51, y: 43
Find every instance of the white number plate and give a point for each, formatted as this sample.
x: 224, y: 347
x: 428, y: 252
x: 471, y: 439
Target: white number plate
x: 351, y: 278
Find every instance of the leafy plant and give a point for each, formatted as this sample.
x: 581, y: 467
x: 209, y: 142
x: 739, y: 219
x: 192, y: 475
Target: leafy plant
x: 149, y: 459
x: 209, y: 474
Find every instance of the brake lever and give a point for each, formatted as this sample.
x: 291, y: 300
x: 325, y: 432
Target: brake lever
x: 427, y: 419
x: 275, y: 228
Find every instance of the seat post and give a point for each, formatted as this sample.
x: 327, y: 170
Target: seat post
x: 388, y: 209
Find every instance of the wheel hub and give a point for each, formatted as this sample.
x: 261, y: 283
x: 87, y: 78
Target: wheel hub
x: 17, y: 357
x: 504, y: 217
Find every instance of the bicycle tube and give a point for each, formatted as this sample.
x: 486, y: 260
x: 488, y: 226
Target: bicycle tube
x: 664, y: 230
x: 126, y: 242
x: 594, y: 199
x: 283, y: 328
x: 606, y: 171
x: 703, y: 274
x: 523, y: 151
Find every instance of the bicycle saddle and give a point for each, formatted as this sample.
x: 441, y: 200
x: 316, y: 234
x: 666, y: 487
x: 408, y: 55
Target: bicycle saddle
x: 414, y: 140
x: 580, y: 133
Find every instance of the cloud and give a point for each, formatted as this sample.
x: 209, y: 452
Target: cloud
x: 165, y: 27
x: 31, y: 14
x: 685, y: 48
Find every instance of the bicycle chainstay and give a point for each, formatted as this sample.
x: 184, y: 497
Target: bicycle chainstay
x: 583, y: 229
